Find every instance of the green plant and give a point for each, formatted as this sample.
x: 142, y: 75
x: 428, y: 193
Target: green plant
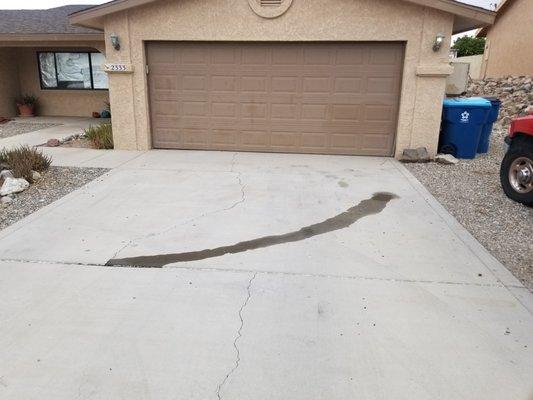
x: 27, y: 99
x: 100, y: 135
x: 23, y: 160
x: 469, y: 46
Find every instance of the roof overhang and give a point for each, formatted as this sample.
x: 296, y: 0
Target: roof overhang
x: 504, y: 5
x: 51, y: 37
x: 467, y: 17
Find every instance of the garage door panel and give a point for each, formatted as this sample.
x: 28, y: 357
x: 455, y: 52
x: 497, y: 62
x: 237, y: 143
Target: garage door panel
x: 336, y: 98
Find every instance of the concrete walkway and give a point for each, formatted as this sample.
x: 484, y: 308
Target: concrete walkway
x: 401, y: 304
x: 69, y: 126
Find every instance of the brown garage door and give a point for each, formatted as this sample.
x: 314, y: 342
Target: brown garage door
x: 329, y: 98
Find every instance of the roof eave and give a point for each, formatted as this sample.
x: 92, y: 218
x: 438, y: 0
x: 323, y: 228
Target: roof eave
x: 63, y: 37
x: 477, y: 16
x: 93, y: 17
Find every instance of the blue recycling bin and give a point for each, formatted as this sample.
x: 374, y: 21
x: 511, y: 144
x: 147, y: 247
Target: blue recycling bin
x: 462, y: 122
x: 484, y: 140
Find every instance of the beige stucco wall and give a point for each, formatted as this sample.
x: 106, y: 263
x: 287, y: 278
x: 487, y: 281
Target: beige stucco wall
x: 233, y: 20
x: 79, y: 103
x: 508, y: 50
x: 475, y: 65
x: 9, y: 82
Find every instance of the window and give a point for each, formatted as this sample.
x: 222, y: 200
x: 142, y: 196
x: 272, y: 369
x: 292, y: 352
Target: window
x: 72, y: 71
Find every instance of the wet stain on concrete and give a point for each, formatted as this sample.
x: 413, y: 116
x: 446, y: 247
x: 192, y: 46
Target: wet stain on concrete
x: 343, y: 184
x: 371, y: 206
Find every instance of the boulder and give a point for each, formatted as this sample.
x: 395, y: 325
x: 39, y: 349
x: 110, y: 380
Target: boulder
x: 447, y: 159
x: 13, y: 185
x: 6, y: 173
x: 6, y: 200
x: 53, y: 142
x: 419, y: 154
x: 35, y: 176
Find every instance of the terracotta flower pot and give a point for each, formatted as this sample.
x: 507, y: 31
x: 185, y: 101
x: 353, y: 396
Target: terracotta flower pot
x: 26, y: 110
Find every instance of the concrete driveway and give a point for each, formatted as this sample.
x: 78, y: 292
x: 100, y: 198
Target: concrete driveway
x: 279, y: 277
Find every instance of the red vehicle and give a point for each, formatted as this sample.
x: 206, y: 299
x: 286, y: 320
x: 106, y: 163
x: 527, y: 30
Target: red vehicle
x: 516, y: 172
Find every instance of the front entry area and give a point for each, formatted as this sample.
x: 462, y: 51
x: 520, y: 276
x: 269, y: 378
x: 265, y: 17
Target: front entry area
x: 321, y: 98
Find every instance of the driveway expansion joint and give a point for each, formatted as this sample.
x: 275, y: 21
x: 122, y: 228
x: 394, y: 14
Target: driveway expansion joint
x: 237, y: 337
x: 280, y: 273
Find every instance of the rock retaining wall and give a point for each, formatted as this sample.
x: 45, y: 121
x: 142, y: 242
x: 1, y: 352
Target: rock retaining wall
x: 515, y: 93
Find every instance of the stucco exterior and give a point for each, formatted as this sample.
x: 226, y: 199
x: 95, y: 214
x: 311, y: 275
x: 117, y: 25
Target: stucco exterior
x: 75, y: 103
x: 19, y: 75
x: 9, y: 86
x: 509, y: 41
x: 424, y: 73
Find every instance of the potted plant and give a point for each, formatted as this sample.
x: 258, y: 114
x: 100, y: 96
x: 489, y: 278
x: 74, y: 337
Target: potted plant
x: 26, y: 105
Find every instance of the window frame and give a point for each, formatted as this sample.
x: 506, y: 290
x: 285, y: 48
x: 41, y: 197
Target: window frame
x: 54, y: 52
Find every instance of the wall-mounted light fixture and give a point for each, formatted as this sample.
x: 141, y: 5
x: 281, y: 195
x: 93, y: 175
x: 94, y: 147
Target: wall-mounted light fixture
x: 439, y: 39
x: 115, y: 41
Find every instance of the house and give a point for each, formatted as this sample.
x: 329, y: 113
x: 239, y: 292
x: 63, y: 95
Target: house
x: 29, y: 42
x: 358, y: 77
x: 508, y: 49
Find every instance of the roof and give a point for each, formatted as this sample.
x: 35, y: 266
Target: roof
x: 504, y: 6
x: 468, y: 17
x: 51, y: 21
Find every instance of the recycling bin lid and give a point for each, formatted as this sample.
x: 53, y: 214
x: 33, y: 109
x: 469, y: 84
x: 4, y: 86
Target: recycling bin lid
x: 463, y: 102
x: 493, y: 100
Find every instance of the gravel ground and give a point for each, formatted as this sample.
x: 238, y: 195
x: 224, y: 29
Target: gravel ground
x: 13, y: 128
x: 55, y: 183
x: 471, y: 192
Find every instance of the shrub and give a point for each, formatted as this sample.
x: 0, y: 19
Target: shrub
x: 27, y: 99
x: 101, y: 136
x: 23, y: 160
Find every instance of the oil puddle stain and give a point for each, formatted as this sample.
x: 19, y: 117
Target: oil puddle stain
x: 371, y: 206
x: 342, y: 184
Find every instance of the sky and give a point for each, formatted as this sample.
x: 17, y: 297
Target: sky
x: 36, y: 4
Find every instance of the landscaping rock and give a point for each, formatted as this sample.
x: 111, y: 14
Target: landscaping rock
x: 6, y: 200
x: 13, y: 185
x: 6, y: 173
x: 53, y: 142
x: 446, y: 159
x: 419, y: 154
x: 515, y: 93
x: 35, y: 176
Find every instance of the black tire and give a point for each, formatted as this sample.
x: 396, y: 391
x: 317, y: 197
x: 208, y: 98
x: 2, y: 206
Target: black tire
x: 521, y: 147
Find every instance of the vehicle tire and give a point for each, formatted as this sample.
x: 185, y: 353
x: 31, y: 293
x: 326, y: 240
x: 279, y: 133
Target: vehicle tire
x: 516, y: 172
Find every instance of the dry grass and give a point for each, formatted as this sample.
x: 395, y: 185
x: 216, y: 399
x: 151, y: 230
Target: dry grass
x: 23, y: 160
x: 101, y: 136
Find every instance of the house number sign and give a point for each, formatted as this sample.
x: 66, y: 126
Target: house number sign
x: 118, y: 67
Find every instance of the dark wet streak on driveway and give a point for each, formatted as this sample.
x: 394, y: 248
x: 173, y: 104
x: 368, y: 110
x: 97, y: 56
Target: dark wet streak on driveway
x: 371, y: 206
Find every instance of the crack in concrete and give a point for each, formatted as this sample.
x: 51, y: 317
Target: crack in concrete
x: 203, y: 215
x: 237, y: 337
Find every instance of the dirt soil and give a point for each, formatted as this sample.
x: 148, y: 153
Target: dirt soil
x: 79, y: 143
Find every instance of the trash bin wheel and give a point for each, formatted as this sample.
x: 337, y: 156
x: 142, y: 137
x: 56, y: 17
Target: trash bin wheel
x: 448, y: 149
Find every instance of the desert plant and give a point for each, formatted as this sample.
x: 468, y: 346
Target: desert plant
x: 100, y: 135
x: 27, y: 99
x: 23, y: 160
x: 26, y: 105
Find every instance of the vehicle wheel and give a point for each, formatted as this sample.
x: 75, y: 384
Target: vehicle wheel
x: 516, y: 173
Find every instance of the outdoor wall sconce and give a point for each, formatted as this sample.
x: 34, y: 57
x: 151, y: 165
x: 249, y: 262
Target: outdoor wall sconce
x: 115, y: 41
x: 438, y: 42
